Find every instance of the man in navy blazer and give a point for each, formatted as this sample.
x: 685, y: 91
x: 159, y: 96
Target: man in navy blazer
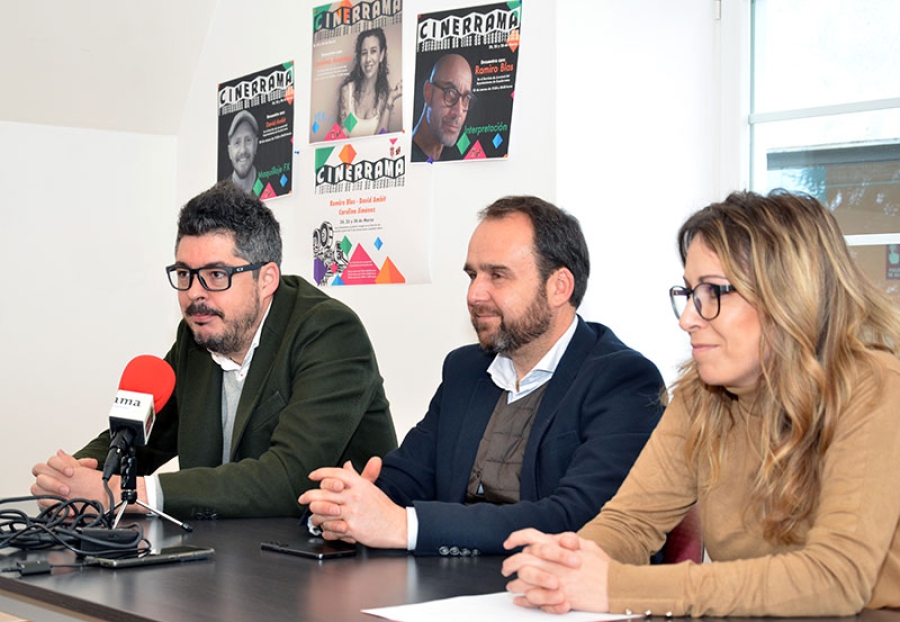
x: 537, y: 426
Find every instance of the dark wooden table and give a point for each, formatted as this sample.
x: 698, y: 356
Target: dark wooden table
x: 245, y: 583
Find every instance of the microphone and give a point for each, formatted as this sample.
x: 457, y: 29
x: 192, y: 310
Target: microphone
x: 145, y: 387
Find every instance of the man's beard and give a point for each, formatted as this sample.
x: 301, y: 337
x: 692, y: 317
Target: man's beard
x: 513, y: 334
x: 235, y: 335
x: 243, y: 168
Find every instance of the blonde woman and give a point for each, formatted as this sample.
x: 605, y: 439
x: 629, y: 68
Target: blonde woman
x: 784, y: 428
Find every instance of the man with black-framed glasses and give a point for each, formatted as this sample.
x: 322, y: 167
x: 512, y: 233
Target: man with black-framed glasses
x: 273, y: 378
x: 448, y: 97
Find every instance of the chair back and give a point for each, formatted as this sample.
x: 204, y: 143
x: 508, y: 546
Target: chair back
x: 685, y: 541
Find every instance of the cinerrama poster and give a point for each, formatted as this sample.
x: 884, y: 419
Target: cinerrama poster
x: 371, y: 225
x: 466, y: 63
x: 256, y: 131
x: 356, y: 88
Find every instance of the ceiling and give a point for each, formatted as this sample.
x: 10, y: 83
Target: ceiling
x: 124, y: 65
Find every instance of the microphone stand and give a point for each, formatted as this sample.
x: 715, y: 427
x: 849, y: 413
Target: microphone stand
x: 129, y: 491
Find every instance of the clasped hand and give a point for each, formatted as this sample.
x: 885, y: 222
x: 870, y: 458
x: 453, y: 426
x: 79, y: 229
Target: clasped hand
x: 557, y: 573
x: 349, y: 506
x: 65, y: 476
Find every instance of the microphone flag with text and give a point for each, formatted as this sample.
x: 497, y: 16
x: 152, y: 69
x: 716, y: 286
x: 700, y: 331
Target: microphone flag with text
x: 145, y: 387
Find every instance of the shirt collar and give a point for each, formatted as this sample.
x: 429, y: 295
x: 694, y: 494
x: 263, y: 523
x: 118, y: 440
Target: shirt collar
x: 228, y: 365
x: 503, y: 372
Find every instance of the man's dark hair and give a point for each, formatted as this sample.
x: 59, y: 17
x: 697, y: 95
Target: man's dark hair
x: 225, y: 208
x: 558, y: 240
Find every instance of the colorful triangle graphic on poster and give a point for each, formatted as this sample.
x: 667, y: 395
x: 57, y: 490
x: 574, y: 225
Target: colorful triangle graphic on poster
x: 268, y: 193
x: 336, y: 133
x: 389, y: 274
x: 322, y: 155
x: 476, y: 152
x: 361, y: 270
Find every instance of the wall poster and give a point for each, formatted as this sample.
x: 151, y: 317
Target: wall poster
x: 256, y: 131
x: 371, y: 225
x: 357, y: 66
x: 466, y: 63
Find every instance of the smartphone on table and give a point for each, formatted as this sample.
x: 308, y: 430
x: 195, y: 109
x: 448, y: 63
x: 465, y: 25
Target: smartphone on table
x: 312, y: 547
x: 167, y: 555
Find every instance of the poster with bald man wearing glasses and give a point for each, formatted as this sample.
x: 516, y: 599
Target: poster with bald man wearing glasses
x: 466, y: 63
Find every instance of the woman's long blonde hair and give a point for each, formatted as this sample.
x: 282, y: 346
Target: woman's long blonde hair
x: 821, y: 318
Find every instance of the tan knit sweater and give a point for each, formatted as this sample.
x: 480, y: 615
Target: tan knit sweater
x: 851, y: 555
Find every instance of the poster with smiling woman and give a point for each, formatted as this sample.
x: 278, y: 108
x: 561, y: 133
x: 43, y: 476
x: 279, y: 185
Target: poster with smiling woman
x: 355, y: 88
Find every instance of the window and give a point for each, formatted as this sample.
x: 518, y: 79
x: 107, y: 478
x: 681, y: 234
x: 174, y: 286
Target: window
x: 825, y: 116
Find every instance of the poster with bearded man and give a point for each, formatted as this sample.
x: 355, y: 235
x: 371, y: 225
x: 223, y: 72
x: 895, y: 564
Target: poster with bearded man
x: 256, y: 128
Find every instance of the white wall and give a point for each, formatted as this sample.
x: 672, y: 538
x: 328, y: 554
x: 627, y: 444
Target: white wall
x: 639, y: 102
x: 615, y: 119
x: 88, y: 225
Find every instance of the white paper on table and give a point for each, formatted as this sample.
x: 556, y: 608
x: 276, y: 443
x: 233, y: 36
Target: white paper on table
x: 497, y: 607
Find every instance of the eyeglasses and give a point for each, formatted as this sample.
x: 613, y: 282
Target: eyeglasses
x: 451, y: 96
x: 707, y: 298
x: 213, y: 279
